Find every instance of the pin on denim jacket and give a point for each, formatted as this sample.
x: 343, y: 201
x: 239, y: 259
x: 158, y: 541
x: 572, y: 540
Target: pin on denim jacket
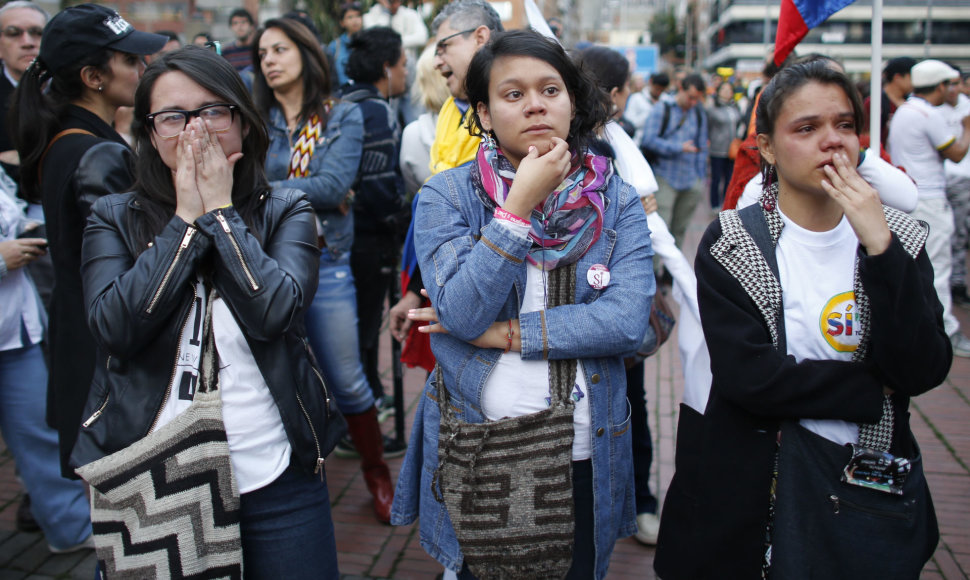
x: 333, y: 168
x: 475, y: 273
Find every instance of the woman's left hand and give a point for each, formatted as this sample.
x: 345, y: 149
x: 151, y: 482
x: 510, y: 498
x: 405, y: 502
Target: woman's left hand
x: 213, y: 170
x: 860, y: 203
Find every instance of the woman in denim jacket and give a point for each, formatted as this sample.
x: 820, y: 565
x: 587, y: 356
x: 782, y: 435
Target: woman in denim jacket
x: 486, y: 275
x: 315, y: 146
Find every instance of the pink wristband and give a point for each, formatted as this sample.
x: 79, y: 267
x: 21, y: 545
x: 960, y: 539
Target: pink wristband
x: 509, y: 216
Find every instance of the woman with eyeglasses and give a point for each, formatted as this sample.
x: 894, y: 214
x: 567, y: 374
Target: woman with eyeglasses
x: 237, y: 251
x: 316, y: 145
x: 60, y: 120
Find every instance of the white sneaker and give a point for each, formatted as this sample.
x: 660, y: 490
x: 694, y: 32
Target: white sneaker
x: 87, y: 544
x: 648, y: 526
x: 961, y: 345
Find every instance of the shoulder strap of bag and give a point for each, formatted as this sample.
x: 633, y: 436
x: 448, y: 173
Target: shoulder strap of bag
x: 209, y: 366
x: 57, y: 138
x: 562, y: 372
x: 665, y: 119
x: 753, y: 219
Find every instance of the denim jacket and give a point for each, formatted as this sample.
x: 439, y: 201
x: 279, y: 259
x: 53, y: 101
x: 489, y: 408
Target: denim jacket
x: 475, y: 273
x: 333, y: 168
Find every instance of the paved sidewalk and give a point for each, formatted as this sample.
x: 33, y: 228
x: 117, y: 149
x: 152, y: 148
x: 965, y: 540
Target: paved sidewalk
x: 940, y: 419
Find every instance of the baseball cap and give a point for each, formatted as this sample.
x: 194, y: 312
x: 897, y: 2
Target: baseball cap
x: 80, y: 30
x: 930, y: 73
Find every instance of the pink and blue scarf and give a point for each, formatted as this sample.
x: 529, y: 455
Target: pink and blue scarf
x: 569, y: 221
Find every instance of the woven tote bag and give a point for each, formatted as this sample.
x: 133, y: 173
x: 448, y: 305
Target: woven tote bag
x: 167, y: 506
x: 507, y: 484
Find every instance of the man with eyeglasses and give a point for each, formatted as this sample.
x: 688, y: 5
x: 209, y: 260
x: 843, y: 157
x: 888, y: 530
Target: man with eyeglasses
x: 21, y: 26
x: 461, y: 28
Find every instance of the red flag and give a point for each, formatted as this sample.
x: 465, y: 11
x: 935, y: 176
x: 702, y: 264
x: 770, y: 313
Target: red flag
x: 797, y: 18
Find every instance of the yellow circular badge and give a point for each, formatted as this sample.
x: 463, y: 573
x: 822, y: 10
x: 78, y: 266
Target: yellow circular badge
x: 838, y: 322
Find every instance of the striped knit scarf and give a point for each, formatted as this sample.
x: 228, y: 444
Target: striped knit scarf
x: 569, y: 221
x: 306, y: 144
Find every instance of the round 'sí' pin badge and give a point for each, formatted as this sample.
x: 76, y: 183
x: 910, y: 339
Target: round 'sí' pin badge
x: 598, y: 276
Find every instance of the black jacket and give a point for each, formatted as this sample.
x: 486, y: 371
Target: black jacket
x: 138, y: 301
x: 77, y: 170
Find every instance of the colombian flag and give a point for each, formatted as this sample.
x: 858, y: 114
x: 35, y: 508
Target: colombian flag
x: 797, y: 18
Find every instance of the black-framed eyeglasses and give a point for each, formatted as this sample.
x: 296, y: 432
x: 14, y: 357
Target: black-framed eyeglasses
x: 17, y: 32
x: 168, y: 124
x: 442, y: 45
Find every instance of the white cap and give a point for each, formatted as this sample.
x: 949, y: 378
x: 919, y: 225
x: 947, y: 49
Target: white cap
x: 930, y: 73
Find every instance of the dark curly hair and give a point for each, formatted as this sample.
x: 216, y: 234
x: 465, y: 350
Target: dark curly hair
x: 591, y: 105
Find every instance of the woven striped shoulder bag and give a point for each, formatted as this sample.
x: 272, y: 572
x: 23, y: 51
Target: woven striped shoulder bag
x: 507, y: 484
x: 167, y: 506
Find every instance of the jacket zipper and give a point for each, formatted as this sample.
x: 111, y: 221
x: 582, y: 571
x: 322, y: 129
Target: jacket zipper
x: 320, y: 459
x: 178, y: 353
x: 837, y: 502
x: 186, y: 238
x: 94, y: 416
x: 323, y: 384
x: 238, y: 250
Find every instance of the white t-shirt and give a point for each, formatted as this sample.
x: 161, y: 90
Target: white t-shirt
x: 816, y: 270
x: 917, y: 134
x: 954, y: 120
x: 518, y: 387
x: 258, y: 447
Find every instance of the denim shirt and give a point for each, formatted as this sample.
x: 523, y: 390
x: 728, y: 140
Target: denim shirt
x: 333, y: 168
x: 475, y: 273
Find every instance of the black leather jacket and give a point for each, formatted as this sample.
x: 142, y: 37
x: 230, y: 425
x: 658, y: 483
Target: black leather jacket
x: 137, y: 304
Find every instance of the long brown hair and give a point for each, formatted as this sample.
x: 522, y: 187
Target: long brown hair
x: 316, y: 71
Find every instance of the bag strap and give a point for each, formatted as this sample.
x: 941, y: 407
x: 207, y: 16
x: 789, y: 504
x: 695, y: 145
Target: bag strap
x: 209, y: 365
x: 562, y: 372
x: 753, y: 219
x: 57, y: 138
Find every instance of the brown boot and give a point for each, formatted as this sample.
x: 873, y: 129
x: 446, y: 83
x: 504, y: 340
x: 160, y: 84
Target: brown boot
x: 366, y: 434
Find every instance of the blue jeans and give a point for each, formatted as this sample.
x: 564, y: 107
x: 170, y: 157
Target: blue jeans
x: 331, y: 324
x: 58, y: 504
x: 286, y: 529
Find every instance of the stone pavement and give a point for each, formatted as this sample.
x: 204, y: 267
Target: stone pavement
x: 940, y: 419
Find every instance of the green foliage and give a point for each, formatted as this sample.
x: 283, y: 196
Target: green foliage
x: 665, y: 32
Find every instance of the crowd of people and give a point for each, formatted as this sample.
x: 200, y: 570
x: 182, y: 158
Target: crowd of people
x: 260, y: 202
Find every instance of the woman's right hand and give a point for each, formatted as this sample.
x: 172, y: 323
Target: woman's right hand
x: 536, y: 177
x: 22, y: 251
x: 188, y: 200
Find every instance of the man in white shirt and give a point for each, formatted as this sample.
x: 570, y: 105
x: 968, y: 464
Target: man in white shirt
x: 641, y: 101
x: 955, y: 107
x: 404, y: 20
x: 919, y: 141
